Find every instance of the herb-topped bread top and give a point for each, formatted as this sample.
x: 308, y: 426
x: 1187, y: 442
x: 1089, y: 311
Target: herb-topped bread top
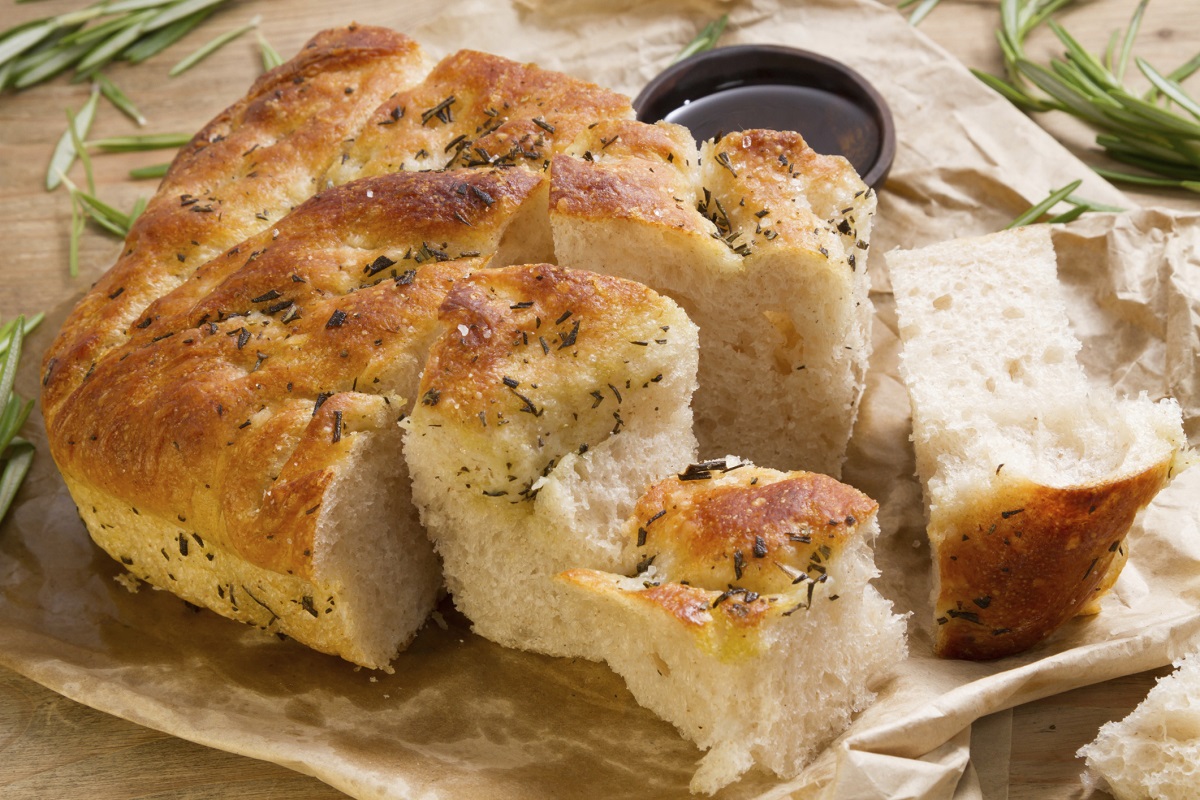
x: 240, y: 175
x: 540, y: 362
x: 722, y: 524
x: 262, y: 361
x: 725, y: 547
x: 477, y: 110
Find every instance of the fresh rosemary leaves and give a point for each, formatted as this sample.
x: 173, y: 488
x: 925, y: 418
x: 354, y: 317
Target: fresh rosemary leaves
x: 705, y: 40
x: 1079, y: 206
x: 16, y: 453
x: 1157, y: 131
x: 90, y: 38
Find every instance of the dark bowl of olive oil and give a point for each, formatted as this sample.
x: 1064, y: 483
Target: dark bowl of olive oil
x: 780, y: 88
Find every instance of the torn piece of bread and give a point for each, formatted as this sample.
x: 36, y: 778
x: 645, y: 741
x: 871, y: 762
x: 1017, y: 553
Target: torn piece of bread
x: 1032, y: 477
x: 551, y: 400
x: 1154, y: 753
x: 752, y: 626
x: 764, y: 244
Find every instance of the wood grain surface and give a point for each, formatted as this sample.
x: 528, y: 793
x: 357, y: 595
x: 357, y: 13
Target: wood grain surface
x: 51, y: 747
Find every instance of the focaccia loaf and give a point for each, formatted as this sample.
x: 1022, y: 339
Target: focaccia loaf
x: 1032, y: 476
x: 223, y: 402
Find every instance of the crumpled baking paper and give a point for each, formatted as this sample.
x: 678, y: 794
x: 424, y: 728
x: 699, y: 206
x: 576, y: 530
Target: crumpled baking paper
x: 463, y: 718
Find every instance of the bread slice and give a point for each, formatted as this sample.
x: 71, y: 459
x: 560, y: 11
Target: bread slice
x: 752, y: 626
x: 763, y: 242
x: 1032, y: 477
x: 1154, y: 753
x: 551, y: 400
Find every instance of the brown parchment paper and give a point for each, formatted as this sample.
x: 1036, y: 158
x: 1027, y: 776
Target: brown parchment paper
x: 462, y: 718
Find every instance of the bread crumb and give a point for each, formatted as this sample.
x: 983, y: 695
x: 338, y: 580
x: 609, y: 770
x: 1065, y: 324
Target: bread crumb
x: 127, y: 580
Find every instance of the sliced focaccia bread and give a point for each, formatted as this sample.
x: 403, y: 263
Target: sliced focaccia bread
x: 752, y: 625
x: 764, y: 244
x: 551, y: 400
x: 1032, y: 476
x: 223, y: 402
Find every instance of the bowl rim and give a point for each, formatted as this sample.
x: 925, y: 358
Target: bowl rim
x: 735, y: 65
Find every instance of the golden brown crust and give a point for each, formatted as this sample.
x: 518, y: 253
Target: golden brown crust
x: 224, y: 405
x: 628, y: 171
x: 757, y: 529
x: 1013, y: 572
x: 726, y: 548
x: 529, y: 337
x: 477, y: 109
x: 239, y: 175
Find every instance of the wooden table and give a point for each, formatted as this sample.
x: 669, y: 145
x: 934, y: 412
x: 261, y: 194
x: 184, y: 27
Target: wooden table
x: 53, y: 747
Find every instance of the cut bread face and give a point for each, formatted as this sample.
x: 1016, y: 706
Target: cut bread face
x: 1032, y: 476
x: 764, y: 243
x: 752, y: 625
x: 551, y: 400
x: 1154, y: 753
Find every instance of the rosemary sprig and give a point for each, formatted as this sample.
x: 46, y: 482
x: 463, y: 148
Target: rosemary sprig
x: 87, y: 39
x: 115, y: 96
x: 705, y: 40
x: 15, y: 452
x: 85, y: 206
x: 65, y: 153
x: 1079, y: 207
x: 270, y: 56
x: 922, y: 10
x: 211, y: 47
x: 152, y: 171
x: 135, y: 144
x: 1157, y: 131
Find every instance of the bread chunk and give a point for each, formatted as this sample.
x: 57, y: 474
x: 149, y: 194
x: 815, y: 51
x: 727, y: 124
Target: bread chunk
x: 1154, y: 753
x: 1032, y: 476
x: 752, y: 625
x: 764, y: 243
x: 549, y: 403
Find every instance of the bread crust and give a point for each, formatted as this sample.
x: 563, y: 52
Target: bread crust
x: 240, y: 174
x: 1013, y: 569
x: 759, y: 535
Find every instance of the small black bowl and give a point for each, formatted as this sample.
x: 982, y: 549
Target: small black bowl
x: 781, y: 88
